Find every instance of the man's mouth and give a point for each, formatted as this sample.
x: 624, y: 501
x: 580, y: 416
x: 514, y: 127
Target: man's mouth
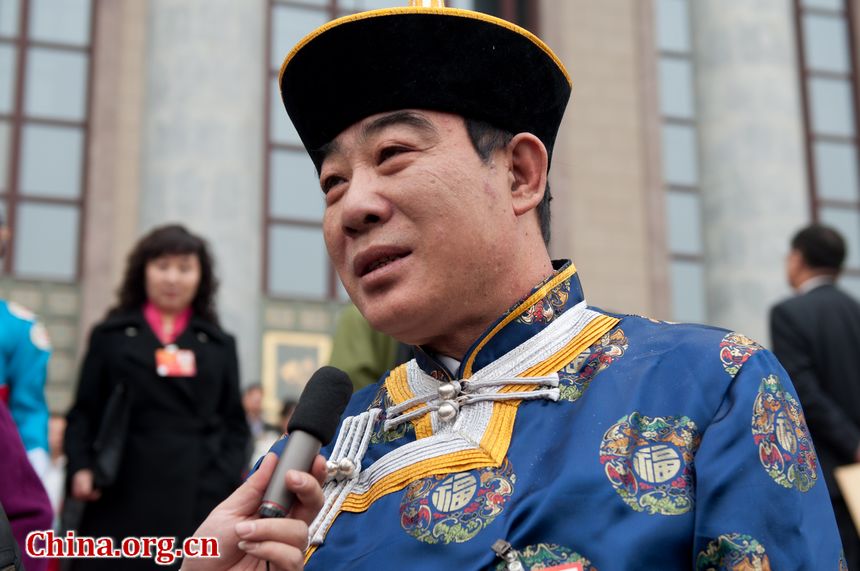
x: 371, y: 260
x: 382, y: 262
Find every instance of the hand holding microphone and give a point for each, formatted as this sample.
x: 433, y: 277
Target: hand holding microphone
x: 312, y: 426
x: 244, y: 539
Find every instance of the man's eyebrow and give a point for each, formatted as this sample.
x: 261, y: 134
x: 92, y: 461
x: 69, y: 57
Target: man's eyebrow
x: 409, y: 118
x: 330, y: 148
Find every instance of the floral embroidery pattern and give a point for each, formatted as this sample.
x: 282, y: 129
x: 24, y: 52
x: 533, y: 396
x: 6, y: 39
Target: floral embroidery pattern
x: 733, y: 552
x: 548, y: 308
x: 735, y: 349
x: 780, y: 432
x: 454, y: 508
x: 576, y: 376
x: 550, y: 556
x: 649, y: 462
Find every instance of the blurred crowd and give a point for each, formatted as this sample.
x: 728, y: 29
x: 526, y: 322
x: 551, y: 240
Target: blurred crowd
x: 161, y: 429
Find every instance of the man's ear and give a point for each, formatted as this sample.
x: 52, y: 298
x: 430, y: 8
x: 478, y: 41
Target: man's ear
x: 528, y: 172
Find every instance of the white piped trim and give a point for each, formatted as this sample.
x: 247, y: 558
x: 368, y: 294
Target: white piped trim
x: 467, y: 430
x: 354, y: 436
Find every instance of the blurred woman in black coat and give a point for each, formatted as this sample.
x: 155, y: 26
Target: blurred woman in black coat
x: 184, y: 446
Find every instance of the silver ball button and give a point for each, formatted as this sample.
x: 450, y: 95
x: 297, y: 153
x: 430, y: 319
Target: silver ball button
x: 331, y: 469
x: 448, y: 410
x: 346, y: 468
x: 448, y: 391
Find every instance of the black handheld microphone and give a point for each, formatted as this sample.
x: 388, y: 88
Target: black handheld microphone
x: 312, y: 426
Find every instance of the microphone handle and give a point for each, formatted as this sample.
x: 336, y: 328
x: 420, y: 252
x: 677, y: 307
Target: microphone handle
x: 299, y: 454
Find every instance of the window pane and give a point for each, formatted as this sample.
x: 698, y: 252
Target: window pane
x: 680, y: 164
x: 9, y: 17
x: 281, y: 127
x: 832, y: 108
x: 362, y: 5
x: 673, y: 25
x: 8, y: 62
x: 298, y: 263
x: 688, y: 291
x: 56, y: 84
x: 676, y: 88
x: 825, y: 43
x: 46, y: 241
x: 51, y: 159
x: 60, y: 21
x: 294, y: 187
x: 827, y: 4
x: 5, y: 147
x: 323, y: 3
x: 289, y: 25
x: 851, y: 284
x: 836, y: 171
x: 847, y: 222
x: 684, y: 219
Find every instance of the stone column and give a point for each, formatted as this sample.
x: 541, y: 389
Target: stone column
x: 603, y: 183
x: 116, y: 127
x: 204, y: 143
x: 752, y: 161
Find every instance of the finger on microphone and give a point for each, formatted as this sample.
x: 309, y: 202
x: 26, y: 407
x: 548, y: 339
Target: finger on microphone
x: 286, y: 530
x: 318, y: 470
x: 308, y: 493
x: 246, y: 498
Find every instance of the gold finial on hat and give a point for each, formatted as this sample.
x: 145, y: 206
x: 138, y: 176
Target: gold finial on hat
x: 426, y: 3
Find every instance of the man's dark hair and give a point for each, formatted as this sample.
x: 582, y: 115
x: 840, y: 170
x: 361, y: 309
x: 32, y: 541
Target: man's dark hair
x: 821, y: 246
x: 252, y: 387
x: 163, y: 241
x: 486, y: 139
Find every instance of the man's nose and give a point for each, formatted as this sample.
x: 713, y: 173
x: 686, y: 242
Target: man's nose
x: 364, y: 204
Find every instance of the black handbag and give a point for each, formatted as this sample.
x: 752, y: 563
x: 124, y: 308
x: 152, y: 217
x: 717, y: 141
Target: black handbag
x: 110, y: 440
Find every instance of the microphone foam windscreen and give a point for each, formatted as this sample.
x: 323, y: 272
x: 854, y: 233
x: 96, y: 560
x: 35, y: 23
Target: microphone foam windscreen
x: 323, y: 400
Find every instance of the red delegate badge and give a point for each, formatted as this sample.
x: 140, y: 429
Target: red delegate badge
x: 171, y: 361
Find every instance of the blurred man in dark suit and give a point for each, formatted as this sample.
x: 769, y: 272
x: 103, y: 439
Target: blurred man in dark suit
x: 816, y: 335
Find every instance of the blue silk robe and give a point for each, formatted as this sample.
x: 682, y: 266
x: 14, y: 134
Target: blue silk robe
x: 663, y: 446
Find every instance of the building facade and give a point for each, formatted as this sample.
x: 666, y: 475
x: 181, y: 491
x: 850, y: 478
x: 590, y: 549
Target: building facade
x: 700, y: 136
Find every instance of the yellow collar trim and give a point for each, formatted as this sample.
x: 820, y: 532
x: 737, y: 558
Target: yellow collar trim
x: 532, y: 299
x: 397, y: 383
x: 418, y: 10
x: 497, y: 437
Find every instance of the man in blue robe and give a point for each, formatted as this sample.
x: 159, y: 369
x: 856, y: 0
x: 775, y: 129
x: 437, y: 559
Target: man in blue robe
x: 531, y: 431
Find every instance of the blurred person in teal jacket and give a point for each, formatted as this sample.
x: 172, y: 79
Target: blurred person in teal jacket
x: 24, y: 353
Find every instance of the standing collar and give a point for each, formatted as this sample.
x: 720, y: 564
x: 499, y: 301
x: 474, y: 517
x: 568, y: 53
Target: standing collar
x: 549, y: 299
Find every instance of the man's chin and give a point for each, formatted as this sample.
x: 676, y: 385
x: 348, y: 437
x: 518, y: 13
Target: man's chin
x: 388, y: 316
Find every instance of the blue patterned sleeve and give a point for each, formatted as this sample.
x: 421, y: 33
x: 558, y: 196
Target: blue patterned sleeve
x: 761, y: 497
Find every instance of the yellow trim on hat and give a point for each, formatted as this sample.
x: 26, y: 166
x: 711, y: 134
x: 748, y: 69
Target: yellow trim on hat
x: 417, y: 10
